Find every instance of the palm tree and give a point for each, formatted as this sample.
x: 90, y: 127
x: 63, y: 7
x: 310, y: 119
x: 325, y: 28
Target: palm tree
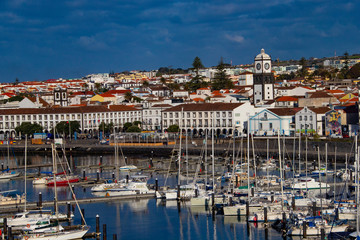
x: 128, y: 96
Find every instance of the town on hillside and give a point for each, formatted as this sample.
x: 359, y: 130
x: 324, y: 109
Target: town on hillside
x: 314, y: 97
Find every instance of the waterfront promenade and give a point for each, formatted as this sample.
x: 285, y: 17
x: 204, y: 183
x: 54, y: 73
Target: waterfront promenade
x: 223, y: 147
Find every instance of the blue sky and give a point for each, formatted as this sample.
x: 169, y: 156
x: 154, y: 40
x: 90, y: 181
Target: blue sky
x: 42, y: 39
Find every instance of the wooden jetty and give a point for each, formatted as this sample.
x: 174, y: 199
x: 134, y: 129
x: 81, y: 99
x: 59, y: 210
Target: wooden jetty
x: 10, y: 208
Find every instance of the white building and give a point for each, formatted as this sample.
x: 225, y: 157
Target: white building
x: 246, y: 78
x: 269, y: 122
x: 151, y: 117
x: 311, y: 120
x: 89, y: 117
x: 199, y: 118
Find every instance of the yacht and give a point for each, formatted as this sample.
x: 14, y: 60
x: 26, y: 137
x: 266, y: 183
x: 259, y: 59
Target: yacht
x: 138, y: 185
x: 307, y: 183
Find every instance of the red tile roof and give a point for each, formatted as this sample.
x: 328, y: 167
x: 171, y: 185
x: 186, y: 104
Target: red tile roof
x: 205, y: 107
x: 107, y: 95
x: 284, y: 111
x: 287, y: 99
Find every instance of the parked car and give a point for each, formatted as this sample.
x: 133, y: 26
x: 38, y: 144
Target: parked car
x: 335, y: 136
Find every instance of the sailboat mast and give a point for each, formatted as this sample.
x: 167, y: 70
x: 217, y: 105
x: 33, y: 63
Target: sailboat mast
x: 54, y: 176
x: 299, y: 152
x: 253, y: 152
x: 281, y: 173
x: 213, y: 152
x: 357, y: 185
x: 306, y: 161
x: 318, y: 150
x: 206, y: 165
x: 179, y: 160
x: 233, y: 158
x: 186, y: 153
x: 326, y: 157
x: 248, y: 158
x: 25, y: 169
x: 335, y: 176
x: 268, y: 162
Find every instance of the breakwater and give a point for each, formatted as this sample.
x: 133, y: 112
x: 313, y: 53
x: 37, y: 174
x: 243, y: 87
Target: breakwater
x: 222, y: 147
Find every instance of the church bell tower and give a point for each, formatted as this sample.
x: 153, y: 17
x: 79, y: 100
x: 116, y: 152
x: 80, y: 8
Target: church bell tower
x: 263, y: 89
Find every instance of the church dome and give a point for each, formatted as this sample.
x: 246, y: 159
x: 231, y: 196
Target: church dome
x: 262, y: 56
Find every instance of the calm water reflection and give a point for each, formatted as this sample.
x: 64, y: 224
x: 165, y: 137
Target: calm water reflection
x: 141, y: 219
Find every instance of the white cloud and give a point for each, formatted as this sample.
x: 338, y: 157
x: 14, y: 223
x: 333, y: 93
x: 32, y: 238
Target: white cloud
x: 235, y: 38
x: 91, y: 43
x: 11, y: 17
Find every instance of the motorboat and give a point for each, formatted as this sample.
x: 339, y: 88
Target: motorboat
x: 128, y: 168
x: 307, y: 183
x: 138, y: 185
x: 103, y: 187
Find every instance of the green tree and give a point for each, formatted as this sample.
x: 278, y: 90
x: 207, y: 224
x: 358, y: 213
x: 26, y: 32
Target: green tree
x: 16, y: 98
x: 128, y: 96
x: 346, y: 61
x: 197, y: 65
x: 146, y: 84
x: 303, y: 71
x: 221, y: 79
x: 66, y: 126
x: 133, y: 129
x: 127, y: 125
x: 137, y: 123
x: 106, y: 127
x: 97, y: 87
x: 354, y: 72
x: 29, y: 128
x: 173, y: 86
x: 163, y: 80
x: 344, y: 70
x: 173, y: 128
x: 197, y: 81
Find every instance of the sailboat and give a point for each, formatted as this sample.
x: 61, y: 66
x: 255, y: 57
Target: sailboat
x: 6, y: 173
x: 58, y: 233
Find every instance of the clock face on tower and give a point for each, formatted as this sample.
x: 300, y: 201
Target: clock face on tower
x: 258, y: 66
x: 267, y: 66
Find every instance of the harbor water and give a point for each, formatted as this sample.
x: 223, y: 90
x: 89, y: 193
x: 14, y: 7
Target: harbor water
x: 142, y: 218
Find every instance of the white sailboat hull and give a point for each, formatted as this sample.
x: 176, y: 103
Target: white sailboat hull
x: 65, y: 235
x: 316, y: 231
x: 240, y: 210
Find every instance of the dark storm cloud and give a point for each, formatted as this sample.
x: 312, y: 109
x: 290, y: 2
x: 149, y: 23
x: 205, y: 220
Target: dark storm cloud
x: 49, y: 39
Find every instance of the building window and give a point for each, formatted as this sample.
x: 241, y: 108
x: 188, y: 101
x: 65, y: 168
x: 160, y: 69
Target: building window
x: 310, y: 118
x: 260, y: 126
x: 300, y: 119
x: 200, y: 114
x: 305, y: 118
x: 270, y: 126
x: 165, y: 115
